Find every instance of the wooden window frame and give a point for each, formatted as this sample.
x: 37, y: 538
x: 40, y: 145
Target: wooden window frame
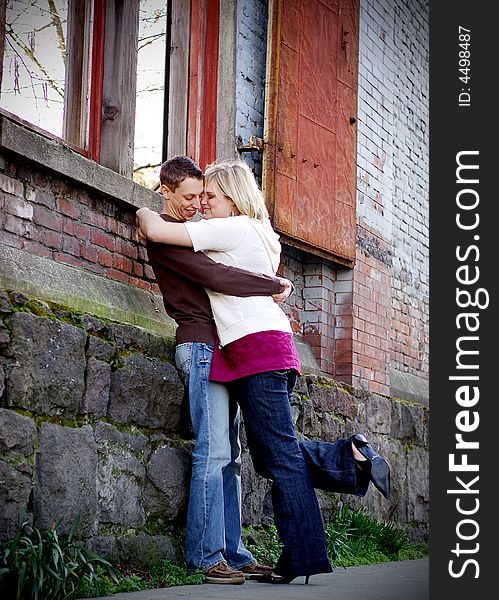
x: 112, y: 81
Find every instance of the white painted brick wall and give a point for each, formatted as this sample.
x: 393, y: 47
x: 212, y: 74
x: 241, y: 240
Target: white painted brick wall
x: 251, y: 49
x: 393, y: 126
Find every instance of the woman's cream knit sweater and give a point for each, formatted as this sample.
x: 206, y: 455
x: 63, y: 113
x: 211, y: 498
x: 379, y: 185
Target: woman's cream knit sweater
x: 248, y: 244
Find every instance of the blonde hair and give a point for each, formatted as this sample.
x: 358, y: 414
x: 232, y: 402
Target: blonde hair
x: 236, y: 181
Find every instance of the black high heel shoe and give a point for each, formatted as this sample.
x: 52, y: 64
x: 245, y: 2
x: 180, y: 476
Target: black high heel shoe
x: 380, y: 469
x: 275, y: 578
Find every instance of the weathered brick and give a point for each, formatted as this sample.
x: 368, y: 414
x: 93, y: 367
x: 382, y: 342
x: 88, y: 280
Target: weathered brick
x: 69, y: 208
x: 68, y: 259
x: 122, y: 263
x: 125, y: 230
x: 146, y: 285
x: 37, y: 248
x: 76, y: 229
x: 9, y: 239
x: 47, y: 218
x: 137, y: 269
x: 94, y: 218
x: 17, y: 225
x: 105, y: 258
x: 18, y: 207
x: 102, y: 239
x: 47, y: 237
x: 11, y: 186
x: 127, y: 248
x: 71, y: 245
x: 149, y: 273
x: 118, y: 275
x: 89, y: 253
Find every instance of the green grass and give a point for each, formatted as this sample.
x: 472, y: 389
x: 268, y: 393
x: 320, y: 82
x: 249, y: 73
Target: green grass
x: 45, y: 564
x: 162, y: 574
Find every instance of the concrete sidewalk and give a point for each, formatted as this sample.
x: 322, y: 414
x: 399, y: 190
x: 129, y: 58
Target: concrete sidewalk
x: 403, y: 580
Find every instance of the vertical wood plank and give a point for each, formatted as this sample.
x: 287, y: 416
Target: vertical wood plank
x: 178, y: 55
x: 208, y: 125
x: 76, y: 85
x: 227, y: 75
x: 195, y: 78
x: 119, y: 85
x: 203, y: 80
x: 272, y: 74
x: 97, y: 77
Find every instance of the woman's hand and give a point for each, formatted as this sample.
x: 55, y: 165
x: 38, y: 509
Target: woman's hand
x: 152, y: 227
x: 140, y: 217
x: 139, y: 235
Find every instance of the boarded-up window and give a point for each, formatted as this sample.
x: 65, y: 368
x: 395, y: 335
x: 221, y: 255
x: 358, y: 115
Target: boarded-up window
x: 310, y: 159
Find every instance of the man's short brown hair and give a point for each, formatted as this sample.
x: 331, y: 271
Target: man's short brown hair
x: 178, y: 168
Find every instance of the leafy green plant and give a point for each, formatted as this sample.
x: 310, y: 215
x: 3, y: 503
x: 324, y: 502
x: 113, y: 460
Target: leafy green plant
x: 41, y: 564
x: 355, y: 537
x: 263, y: 543
x: 338, y: 535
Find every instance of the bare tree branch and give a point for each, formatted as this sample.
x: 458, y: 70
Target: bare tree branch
x: 16, y: 74
x: 12, y: 34
x: 150, y: 39
x: 148, y: 166
x: 56, y: 20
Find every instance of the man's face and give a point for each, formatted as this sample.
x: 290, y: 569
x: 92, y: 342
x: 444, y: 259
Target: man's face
x: 185, y: 201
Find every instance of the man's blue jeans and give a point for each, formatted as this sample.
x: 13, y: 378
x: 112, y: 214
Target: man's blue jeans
x: 213, y: 530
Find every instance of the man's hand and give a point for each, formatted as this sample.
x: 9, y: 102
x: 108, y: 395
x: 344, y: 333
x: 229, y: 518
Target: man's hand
x: 288, y: 289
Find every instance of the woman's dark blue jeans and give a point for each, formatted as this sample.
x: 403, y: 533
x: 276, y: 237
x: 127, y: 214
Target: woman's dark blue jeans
x: 276, y: 454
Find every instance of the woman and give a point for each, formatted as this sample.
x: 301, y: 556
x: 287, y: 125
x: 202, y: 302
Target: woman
x: 258, y: 359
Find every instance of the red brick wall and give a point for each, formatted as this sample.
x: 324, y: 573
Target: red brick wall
x: 321, y: 310
x: 410, y: 337
x: 52, y: 218
x: 372, y: 318
x: 345, y: 314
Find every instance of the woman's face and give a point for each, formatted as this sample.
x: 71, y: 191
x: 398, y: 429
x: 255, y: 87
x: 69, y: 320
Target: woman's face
x: 215, y: 205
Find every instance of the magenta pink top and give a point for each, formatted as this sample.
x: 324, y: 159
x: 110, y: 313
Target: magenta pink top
x: 254, y: 353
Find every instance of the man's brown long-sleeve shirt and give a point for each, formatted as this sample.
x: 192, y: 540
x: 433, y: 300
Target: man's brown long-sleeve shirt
x: 182, y: 276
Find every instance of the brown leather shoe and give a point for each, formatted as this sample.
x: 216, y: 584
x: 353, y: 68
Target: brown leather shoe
x: 222, y: 573
x: 256, y: 571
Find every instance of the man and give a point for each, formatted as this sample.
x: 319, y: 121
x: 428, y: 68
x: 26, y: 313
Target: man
x: 213, y: 532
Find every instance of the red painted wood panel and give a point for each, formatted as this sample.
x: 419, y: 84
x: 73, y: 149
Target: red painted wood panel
x: 195, y: 81
x: 203, y: 79
x: 315, y: 154
x: 97, y: 78
x: 208, y: 125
